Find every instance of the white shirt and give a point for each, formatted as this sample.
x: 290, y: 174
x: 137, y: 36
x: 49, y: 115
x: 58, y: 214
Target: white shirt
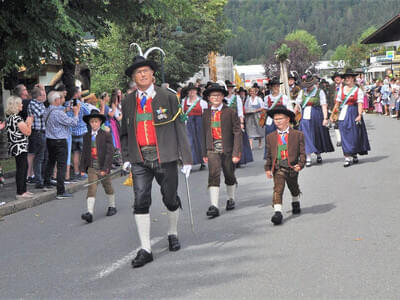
x: 360, y: 95
x: 253, y: 104
x: 203, y: 104
x: 285, y: 100
x: 217, y: 108
x: 322, y: 96
x: 239, y: 104
x: 148, y: 92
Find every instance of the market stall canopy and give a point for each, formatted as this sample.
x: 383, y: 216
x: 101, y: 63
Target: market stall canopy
x: 388, y: 34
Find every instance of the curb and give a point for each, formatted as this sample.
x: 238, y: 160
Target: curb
x: 21, y: 204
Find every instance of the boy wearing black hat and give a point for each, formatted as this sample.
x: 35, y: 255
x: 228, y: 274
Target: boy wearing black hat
x: 221, y: 145
x: 97, y: 155
x: 285, y: 158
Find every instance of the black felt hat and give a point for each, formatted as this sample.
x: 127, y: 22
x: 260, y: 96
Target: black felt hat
x: 349, y: 72
x: 255, y: 85
x: 309, y: 81
x: 94, y: 114
x: 191, y: 86
x: 241, y: 89
x: 280, y: 109
x: 139, y: 61
x: 229, y: 83
x: 336, y: 74
x: 274, y: 81
x: 215, y: 87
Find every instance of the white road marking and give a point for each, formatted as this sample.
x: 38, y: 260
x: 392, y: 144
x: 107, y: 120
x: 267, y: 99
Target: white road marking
x: 121, y: 262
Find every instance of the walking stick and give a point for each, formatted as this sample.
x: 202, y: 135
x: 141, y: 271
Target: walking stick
x: 104, y: 177
x: 189, y: 203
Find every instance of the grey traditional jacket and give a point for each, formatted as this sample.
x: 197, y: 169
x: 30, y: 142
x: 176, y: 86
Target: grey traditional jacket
x: 172, y: 140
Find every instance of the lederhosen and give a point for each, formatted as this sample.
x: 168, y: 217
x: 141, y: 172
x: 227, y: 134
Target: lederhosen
x: 217, y: 159
x: 283, y: 173
x: 166, y: 174
x: 93, y: 171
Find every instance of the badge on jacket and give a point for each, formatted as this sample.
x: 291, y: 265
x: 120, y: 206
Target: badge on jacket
x: 161, y: 113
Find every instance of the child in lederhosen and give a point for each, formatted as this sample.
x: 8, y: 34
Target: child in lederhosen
x: 96, y: 161
x: 221, y: 146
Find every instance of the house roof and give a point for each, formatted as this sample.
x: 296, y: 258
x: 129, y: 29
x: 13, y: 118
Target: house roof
x: 389, y: 32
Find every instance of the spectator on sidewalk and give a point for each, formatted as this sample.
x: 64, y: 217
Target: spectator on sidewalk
x: 37, y: 140
x: 21, y: 91
x: 58, y: 126
x: 2, y: 181
x: 18, y: 131
x: 78, y: 132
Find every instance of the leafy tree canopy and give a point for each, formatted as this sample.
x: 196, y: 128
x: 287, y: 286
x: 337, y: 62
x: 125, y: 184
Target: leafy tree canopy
x: 307, y: 40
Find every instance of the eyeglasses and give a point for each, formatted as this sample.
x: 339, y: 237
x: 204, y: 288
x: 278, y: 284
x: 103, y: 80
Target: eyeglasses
x: 215, y: 96
x: 145, y: 71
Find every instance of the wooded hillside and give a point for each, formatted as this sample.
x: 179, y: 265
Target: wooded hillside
x: 258, y: 24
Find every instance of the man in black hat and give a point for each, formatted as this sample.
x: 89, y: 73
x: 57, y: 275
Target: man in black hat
x: 153, y: 139
x: 285, y: 158
x: 221, y: 145
x: 96, y: 161
x: 293, y: 87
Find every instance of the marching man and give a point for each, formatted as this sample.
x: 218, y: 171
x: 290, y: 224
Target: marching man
x: 285, y: 158
x: 153, y: 139
x: 221, y: 144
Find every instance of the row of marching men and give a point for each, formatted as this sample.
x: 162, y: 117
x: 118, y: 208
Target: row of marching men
x: 312, y: 116
x: 153, y: 139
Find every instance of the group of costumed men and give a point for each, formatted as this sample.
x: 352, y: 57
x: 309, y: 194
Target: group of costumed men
x: 158, y: 132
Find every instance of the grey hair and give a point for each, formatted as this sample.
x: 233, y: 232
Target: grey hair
x: 36, y: 92
x: 53, y: 96
x: 18, y: 89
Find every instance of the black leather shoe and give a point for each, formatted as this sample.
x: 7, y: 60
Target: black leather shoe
x: 319, y: 160
x: 338, y: 144
x: 174, y: 244
x: 277, y: 218
x: 111, y: 211
x: 213, y: 211
x: 202, y: 167
x: 296, y: 208
x: 230, y: 204
x: 143, y: 257
x: 88, y: 217
x: 355, y: 160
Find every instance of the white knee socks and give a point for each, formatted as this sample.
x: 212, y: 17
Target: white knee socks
x: 173, y: 222
x: 111, y: 200
x: 214, y: 195
x: 278, y: 207
x: 230, y: 190
x: 90, y: 204
x: 338, y: 137
x: 143, y: 228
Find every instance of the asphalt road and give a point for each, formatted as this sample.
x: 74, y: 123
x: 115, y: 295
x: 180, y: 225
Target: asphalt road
x: 344, y: 245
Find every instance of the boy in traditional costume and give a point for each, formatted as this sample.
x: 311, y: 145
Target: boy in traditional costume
x: 221, y: 144
x: 96, y: 161
x: 285, y: 158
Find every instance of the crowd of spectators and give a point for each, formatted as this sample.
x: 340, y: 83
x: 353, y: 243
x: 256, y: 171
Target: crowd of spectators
x: 45, y: 134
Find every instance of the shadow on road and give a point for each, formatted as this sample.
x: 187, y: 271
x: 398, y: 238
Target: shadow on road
x: 315, y: 209
x: 372, y: 158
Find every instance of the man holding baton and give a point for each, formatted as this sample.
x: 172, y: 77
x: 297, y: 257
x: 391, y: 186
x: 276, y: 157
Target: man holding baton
x: 153, y: 139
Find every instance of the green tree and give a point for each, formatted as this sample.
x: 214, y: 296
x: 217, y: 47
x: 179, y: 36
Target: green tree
x: 340, y: 53
x: 306, y: 39
x: 203, y: 27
